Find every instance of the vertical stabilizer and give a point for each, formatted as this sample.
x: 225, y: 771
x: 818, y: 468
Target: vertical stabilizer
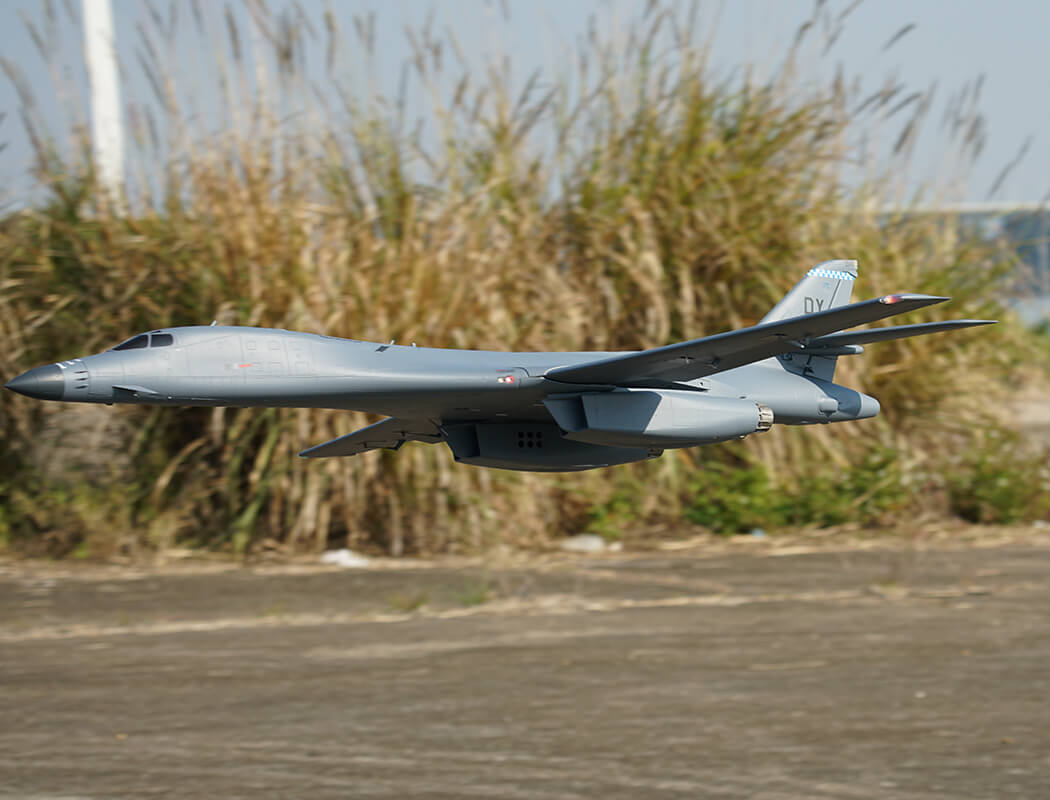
x: 827, y: 285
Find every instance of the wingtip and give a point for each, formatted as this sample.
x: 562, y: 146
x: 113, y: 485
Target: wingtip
x: 972, y: 322
x: 923, y: 299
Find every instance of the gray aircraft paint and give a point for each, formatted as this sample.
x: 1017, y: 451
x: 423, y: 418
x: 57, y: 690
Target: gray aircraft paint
x: 534, y: 411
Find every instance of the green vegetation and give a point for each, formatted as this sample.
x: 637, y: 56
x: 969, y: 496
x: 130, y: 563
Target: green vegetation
x: 732, y: 498
x: 610, y: 516
x: 476, y: 592
x: 1000, y: 481
x: 636, y: 201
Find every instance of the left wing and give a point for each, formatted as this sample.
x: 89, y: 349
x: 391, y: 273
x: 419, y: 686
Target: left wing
x: 389, y: 434
x: 700, y: 357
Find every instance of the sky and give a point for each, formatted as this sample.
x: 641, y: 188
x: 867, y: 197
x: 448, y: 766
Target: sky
x: 949, y: 46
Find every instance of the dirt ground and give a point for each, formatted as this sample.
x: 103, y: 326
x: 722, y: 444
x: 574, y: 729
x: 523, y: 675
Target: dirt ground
x: 748, y: 669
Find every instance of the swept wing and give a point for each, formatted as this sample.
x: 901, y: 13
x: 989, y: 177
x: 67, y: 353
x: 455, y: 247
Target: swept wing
x: 390, y: 434
x: 712, y: 354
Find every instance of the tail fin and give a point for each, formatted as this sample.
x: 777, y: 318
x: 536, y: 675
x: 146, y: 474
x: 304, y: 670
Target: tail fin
x: 827, y: 285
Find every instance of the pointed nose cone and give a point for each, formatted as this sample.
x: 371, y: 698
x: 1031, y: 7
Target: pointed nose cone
x: 43, y: 383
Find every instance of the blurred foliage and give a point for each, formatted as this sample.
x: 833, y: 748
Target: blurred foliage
x: 635, y: 201
x: 609, y: 517
x: 729, y: 498
x: 1000, y: 481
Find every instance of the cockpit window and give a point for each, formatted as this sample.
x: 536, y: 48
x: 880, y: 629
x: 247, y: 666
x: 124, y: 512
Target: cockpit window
x: 161, y: 340
x: 136, y: 343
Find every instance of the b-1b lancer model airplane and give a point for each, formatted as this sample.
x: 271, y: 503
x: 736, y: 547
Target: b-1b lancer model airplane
x: 548, y: 412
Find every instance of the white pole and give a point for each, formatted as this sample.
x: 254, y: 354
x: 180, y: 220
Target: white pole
x: 107, y: 132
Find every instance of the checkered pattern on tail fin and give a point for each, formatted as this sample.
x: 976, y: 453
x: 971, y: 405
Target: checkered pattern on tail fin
x: 825, y: 286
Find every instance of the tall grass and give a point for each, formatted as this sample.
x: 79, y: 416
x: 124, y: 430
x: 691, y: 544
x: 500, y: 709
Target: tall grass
x: 632, y: 202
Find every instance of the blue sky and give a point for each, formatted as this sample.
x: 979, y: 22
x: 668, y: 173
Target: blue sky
x: 950, y: 46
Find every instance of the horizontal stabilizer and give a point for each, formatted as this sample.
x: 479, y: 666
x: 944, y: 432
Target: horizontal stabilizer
x: 389, y: 434
x: 895, y: 332
x: 712, y: 354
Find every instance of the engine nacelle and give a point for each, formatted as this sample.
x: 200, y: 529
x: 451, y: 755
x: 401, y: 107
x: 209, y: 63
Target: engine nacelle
x: 531, y: 446
x: 656, y: 418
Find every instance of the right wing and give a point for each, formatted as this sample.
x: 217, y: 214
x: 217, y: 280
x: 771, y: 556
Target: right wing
x: 390, y: 434
x: 701, y: 357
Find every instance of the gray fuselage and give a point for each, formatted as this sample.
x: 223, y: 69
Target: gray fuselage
x: 527, y: 411
x: 262, y: 367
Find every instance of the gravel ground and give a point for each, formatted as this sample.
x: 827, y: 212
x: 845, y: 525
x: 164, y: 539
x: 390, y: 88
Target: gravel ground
x: 750, y: 670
